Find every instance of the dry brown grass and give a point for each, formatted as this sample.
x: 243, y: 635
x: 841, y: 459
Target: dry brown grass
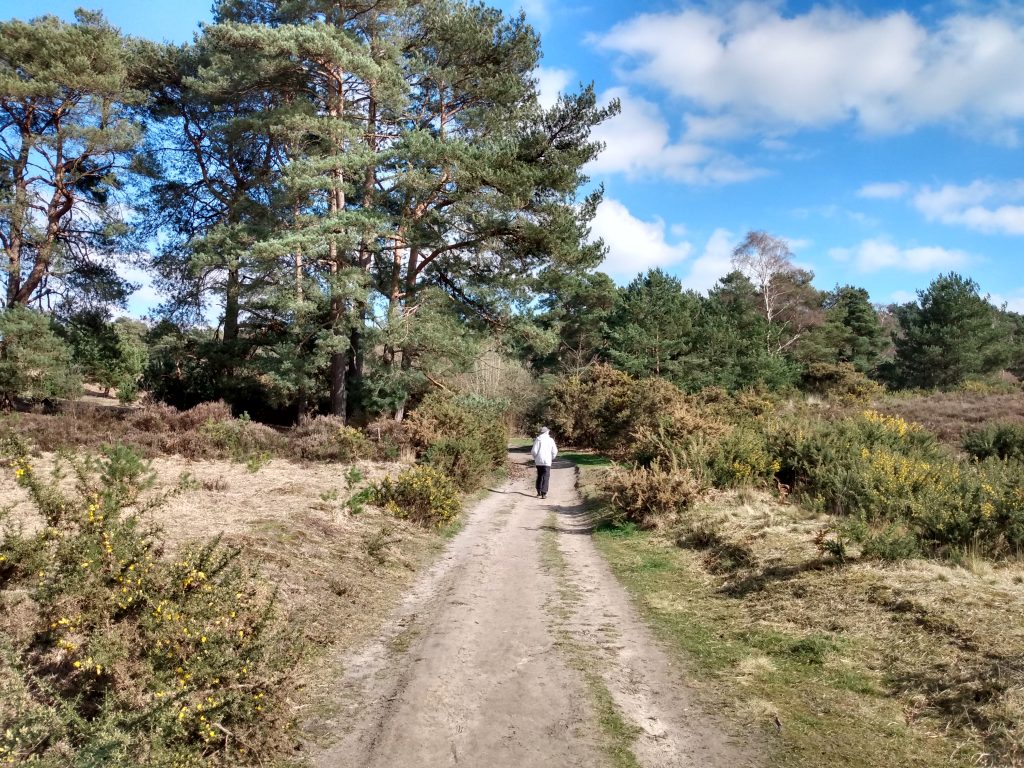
x: 946, y: 641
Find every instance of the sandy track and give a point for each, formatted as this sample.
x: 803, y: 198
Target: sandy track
x: 493, y: 657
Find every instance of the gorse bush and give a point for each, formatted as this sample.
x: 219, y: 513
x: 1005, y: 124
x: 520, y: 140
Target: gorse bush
x: 464, y: 437
x: 607, y: 410
x: 742, y: 458
x: 898, y: 491
x: 1001, y: 440
x: 422, y: 494
x: 650, y: 496
x: 839, y: 380
x: 906, y: 494
x: 112, y: 654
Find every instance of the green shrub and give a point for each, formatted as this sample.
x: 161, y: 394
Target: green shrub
x: 894, y: 541
x: 34, y: 362
x: 327, y: 438
x: 464, y: 437
x: 241, y: 439
x: 839, y: 380
x: 607, y: 410
x: 112, y: 654
x: 422, y: 494
x: 650, y: 496
x: 909, y: 495
x: 743, y: 458
x: 1002, y: 440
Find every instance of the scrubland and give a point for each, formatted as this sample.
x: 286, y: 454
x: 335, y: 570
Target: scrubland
x: 841, y: 578
x: 173, y: 584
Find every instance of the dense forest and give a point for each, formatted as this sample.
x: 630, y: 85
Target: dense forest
x: 345, y: 206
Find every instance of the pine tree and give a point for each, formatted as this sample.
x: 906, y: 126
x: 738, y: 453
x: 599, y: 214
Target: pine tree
x: 728, y: 341
x: 852, y: 332
x: 650, y: 328
x: 70, y: 133
x: 34, y: 362
x: 949, y: 335
x: 411, y: 155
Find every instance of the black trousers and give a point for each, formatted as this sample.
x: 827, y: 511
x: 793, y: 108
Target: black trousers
x: 543, y: 475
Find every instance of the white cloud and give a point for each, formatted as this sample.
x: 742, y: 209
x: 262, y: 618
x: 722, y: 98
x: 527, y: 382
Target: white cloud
x: 638, y: 143
x: 1014, y: 302
x: 538, y: 13
x: 902, y: 297
x: 835, y: 212
x: 981, y: 205
x: 714, y: 263
x: 550, y: 83
x: 752, y: 64
x: 634, y: 245
x: 884, y: 190
x: 876, y: 254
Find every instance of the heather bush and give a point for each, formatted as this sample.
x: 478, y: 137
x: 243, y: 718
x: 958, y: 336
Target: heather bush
x: 389, y: 439
x: 423, y: 494
x: 114, y: 654
x: 241, y: 439
x: 464, y: 437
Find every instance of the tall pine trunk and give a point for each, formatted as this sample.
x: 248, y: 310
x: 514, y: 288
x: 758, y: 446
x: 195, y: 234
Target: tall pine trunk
x: 336, y: 205
x: 232, y: 302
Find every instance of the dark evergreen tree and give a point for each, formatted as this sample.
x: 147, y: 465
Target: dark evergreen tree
x: 650, y: 327
x: 949, y: 335
x: 570, y: 330
x: 728, y: 342
x: 852, y: 332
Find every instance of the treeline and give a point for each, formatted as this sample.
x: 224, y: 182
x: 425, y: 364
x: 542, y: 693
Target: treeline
x: 368, y: 197
x: 765, y: 326
x: 360, y: 191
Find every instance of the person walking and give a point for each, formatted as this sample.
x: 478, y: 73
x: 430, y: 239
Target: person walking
x: 544, y: 452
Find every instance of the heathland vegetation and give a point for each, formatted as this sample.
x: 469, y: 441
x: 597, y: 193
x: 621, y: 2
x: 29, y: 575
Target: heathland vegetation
x: 372, y: 244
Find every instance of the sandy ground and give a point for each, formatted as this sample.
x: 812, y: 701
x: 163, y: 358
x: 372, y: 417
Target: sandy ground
x: 492, y: 658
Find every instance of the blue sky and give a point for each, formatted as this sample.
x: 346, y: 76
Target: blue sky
x: 882, y: 139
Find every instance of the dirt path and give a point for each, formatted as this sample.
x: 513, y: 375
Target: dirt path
x: 519, y: 648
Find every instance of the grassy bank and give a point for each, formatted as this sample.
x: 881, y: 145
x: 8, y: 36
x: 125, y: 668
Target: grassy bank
x: 858, y: 664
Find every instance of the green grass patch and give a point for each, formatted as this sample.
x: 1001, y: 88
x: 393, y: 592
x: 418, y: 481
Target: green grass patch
x: 831, y: 710
x: 586, y: 458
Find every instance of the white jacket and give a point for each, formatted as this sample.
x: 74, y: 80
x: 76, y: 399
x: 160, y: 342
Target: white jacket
x: 544, y: 450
